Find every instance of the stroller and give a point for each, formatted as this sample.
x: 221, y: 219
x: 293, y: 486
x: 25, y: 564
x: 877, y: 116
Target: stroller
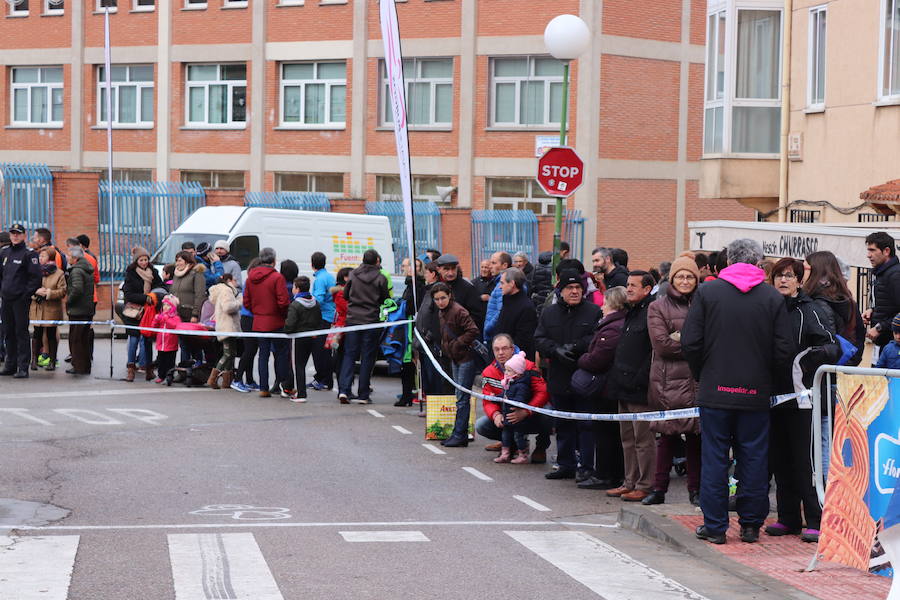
x: 195, y: 372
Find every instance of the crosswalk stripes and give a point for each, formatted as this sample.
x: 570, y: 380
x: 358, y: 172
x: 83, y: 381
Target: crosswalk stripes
x: 226, y: 566
x: 33, y: 568
x: 601, y: 568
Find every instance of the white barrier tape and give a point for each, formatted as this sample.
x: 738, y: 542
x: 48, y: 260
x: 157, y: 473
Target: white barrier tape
x: 242, y: 334
x: 662, y: 415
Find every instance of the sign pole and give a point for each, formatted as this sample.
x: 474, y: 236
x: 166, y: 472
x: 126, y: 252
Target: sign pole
x: 557, y: 218
x: 109, y: 175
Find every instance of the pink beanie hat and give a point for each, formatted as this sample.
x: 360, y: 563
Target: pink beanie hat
x: 516, y: 363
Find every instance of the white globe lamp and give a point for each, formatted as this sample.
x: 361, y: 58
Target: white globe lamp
x: 567, y: 37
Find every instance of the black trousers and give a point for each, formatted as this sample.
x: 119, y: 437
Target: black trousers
x: 15, y: 324
x: 303, y: 348
x: 251, y: 346
x: 322, y: 358
x: 165, y: 362
x: 572, y: 435
x: 790, y: 462
x: 609, y: 461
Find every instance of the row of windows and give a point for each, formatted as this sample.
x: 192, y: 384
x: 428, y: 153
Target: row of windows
x: 525, y: 92
x: 20, y: 8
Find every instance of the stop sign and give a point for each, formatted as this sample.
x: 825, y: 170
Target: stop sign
x: 560, y: 171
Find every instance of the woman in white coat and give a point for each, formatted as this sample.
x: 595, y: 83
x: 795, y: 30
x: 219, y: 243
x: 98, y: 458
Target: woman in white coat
x: 227, y: 302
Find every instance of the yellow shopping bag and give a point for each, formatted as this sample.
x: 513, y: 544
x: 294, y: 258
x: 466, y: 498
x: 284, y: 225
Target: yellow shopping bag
x: 441, y: 415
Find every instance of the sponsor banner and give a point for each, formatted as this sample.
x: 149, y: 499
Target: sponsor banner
x: 441, y: 415
x: 861, y: 516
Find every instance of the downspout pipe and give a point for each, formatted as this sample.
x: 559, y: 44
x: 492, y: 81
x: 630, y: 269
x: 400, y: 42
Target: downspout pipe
x: 785, y: 110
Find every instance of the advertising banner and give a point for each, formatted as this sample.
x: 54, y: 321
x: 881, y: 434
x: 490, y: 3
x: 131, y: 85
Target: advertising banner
x: 442, y: 414
x: 861, y: 516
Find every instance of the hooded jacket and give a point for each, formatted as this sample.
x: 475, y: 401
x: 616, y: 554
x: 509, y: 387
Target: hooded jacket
x: 736, y: 336
x: 266, y: 296
x: 304, y: 314
x: 80, y: 301
x: 813, y: 327
x: 629, y: 377
x: 366, y: 289
x: 561, y: 324
x: 847, y: 322
x: 886, y: 292
x: 190, y: 289
x: 617, y: 277
x: 226, y: 302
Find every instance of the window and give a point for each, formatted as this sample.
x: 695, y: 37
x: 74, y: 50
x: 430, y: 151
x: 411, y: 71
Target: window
x: 18, y: 8
x: 235, y: 4
x: 805, y: 216
x: 526, y: 91
x: 423, y: 188
x: 54, y: 7
x: 194, y: 4
x: 226, y: 180
x: 217, y: 95
x: 815, y: 85
x: 143, y: 5
x: 313, y: 94
x: 129, y: 175
x: 111, y: 4
x: 37, y: 96
x: 520, y: 194
x: 331, y: 184
x: 889, y: 65
x: 742, y: 100
x: 132, y: 95
x: 429, y: 92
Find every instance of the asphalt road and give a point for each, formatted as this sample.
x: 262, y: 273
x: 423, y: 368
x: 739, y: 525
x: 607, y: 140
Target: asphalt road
x: 195, y: 494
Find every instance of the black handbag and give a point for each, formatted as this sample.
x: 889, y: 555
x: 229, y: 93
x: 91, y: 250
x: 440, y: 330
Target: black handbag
x: 587, y: 384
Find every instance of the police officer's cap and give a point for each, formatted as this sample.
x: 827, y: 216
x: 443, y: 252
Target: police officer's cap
x: 17, y: 228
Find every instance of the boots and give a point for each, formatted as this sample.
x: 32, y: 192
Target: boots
x: 35, y: 353
x: 131, y: 370
x: 504, y: 455
x: 227, y: 377
x: 149, y: 373
x: 213, y: 380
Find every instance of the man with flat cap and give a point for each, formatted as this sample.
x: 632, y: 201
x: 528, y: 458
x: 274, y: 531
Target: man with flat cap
x: 20, y: 277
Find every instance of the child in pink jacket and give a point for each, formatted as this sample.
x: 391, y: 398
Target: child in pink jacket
x: 166, y: 343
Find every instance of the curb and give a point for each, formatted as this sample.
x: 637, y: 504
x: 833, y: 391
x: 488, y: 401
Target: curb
x: 655, y: 526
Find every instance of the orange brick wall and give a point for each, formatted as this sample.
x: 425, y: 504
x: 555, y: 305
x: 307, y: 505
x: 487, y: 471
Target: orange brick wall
x: 311, y: 21
x: 215, y: 25
x: 500, y: 17
x: 35, y: 30
x: 75, y: 205
x: 420, y: 19
x: 709, y: 209
x: 649, y: 20
x: 125, y: 28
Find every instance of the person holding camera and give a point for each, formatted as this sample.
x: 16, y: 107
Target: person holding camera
x: 211, y: 261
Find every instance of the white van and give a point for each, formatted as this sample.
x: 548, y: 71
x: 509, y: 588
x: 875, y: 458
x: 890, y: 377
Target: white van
x: 293, y: 234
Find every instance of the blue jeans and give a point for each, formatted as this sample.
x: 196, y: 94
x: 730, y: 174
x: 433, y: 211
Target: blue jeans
x: 137, y: 350
x: 747, y: 432
x: 362, y: 345
x: 464, y: 375
x: 279, y: 347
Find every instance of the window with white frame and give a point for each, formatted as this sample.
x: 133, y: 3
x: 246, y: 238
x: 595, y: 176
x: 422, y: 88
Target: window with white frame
x: 37, y: 96
x: 313, y: 94
x: 330, y: 184
x: 743, y: 79
x: 143, y: 5
x: 54, y: 7
x: 815, y: 84
x: 526, y: 91
x: 423, y: 188
x: 235, y: 3
x: 429, y: 92
x: 217, y: 95
x: 102, y: 5
x: 519, y: 194
x: 18, y: 8
x: 132, y: 95
x: 128, y: 175
x: 225, y: 180
x: 192, y: 4
x: 889, y: 65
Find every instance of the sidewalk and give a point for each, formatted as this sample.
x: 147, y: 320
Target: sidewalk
x: 780, y: 560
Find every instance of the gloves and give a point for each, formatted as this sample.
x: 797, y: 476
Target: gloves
x: 565, y: 353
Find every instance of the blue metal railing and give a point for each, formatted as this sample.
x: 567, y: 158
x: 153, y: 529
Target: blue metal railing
x: 316, y: 201
x: 503, y: 230
x: 26, y: 195
x: 427, y: 226
x: 573, y: 233
x: 143, y: 213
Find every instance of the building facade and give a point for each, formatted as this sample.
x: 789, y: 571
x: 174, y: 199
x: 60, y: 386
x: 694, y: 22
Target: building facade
x: 289, y: 95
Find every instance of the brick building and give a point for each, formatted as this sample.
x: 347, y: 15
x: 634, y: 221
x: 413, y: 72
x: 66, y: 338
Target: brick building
x: 289, y: 95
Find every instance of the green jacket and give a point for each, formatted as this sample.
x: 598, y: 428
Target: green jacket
x: 80, y: 299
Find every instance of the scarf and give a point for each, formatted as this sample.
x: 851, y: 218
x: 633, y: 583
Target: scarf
x: 48, y: 269
x: 147, y: 276
x: 182, y: 272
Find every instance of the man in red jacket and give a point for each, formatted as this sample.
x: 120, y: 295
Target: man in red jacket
x: 490, y: 425
x: 266, y: 296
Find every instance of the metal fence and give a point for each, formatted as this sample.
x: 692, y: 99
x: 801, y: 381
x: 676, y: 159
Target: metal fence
x: 142, y: 213
x: 503, y: 230
x: 26, y: 195
x: 874, y: 218
x: 427, y: 217
x: 316, y: 201
x: 573, y: 233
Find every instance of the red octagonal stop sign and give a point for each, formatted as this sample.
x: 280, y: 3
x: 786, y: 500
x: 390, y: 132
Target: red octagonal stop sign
x: 560, y: 171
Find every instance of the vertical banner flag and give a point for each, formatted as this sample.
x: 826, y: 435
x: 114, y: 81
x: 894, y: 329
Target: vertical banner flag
x: 393, y: 64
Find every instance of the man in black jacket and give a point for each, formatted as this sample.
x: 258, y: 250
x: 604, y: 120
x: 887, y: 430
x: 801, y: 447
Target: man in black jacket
x: 613, y: 275
x: 564, y: 332
x: 882, y: 253
x: 517, y: 315
x: 20, y: 277
x: 629, y: 379
x: 736, y: 337
x: 464, y: 293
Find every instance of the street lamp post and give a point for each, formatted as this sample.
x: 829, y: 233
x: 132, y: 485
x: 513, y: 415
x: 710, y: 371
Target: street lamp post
x: 566, y: 37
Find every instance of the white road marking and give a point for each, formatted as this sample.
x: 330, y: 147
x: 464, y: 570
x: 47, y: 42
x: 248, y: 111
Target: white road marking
x: 33, y: 568
x: 141, y: 414
x: 375, y: 413
x: 383, y: 536
x: 475, y: 472
x: 532, y: 503
x: 220, y: 565
x: 434, y: 449
x: 601, y: 568
x: 129, y: 391
x: 98, y: 418
x: 23, y: 412
x: 402, y: 430
x: 301, y: 524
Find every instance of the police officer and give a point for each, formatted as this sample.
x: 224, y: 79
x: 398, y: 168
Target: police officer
x: 20, y: 277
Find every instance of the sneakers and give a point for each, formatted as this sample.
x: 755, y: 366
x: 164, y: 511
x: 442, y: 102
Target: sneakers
x: 778, y: 529
x: 239, y: 386
x: 287, y: 393
x: 161, y: 380
x: 705, y: 534
x: 505, y: 456
x: 521, y: 458
x: 319, y: 387
x: 298, y: 398
x: 749, y: 534
x: 43, y: 360
x: 343, y: 399
x: 810, y: 536
x: 252, y: 386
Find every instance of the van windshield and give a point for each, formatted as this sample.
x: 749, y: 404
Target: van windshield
x: 172, y: 245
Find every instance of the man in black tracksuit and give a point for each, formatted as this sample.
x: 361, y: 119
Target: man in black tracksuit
x: 736, y: 337
x: 517, y: 315
x: 564, y: 332
x: 882, y: 253
x: 20, y: 277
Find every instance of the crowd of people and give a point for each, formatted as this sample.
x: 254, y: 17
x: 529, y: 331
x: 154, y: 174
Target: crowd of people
x: 724, y: 332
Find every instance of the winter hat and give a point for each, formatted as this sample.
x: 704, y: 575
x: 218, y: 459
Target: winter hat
x: 569, y: 277
x: 138, y: 252
x: 172, y: 301
x: 684, y: 263
x: 223, y: 244
x: 516, y: 363
x: 895, y: 324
